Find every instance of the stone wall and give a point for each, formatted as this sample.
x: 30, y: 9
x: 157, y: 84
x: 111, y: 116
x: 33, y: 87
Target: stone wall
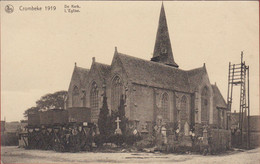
x: 220, y: 139
x: 142, y: 105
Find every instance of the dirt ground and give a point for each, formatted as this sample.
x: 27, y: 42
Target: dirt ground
x: 13, y: 154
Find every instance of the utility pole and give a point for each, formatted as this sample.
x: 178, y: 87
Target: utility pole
x: 238, y: 76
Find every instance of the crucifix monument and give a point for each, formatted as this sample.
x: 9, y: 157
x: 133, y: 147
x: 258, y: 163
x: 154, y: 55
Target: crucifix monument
x: 118, y: 130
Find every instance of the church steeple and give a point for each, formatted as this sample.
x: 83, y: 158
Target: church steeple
x: 162, y: 48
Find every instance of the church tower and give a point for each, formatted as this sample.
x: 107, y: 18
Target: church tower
x: 162, y: 49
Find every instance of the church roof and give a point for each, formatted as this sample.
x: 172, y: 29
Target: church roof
x: 150, y: 73
x: 103, y: 69
x: 195, y: 77
x: 218, y: 98
x: 82, y: 73
x: 154, y: 74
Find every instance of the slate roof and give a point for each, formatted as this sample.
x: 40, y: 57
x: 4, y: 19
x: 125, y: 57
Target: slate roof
x: 82, y: 73
x: 103, y: 69
x: 153, y: 74
x: 156, y: 74
x: 218, y: 98
x: 195, y: 77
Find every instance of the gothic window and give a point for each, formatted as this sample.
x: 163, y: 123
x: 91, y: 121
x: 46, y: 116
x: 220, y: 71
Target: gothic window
x: 117, y: 88
x: 204, y: 104
x: 219, y: 118
x: 165, y: 105
x: 196, y: 115
x: 84, y: 99
x: 75, y: 90
x: 75, y: 96
x: 94, y: 97
x: 222, y: 119
x: 184, y: 110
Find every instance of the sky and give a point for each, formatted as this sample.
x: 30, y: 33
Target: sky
x: 39, y: 48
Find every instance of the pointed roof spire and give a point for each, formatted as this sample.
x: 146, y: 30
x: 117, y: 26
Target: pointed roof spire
x: 162, y: 49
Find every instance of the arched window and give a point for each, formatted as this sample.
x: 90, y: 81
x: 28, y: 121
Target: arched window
x: 75, y: 96
x: 184, y: 109
x: 84, y: 99
x: 165, y: 105
x: 117, y: 91
x: 94, y: 97
x: 204, y: 104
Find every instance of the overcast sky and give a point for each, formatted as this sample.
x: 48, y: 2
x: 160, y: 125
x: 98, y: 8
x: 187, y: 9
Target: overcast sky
x: 39, y: 48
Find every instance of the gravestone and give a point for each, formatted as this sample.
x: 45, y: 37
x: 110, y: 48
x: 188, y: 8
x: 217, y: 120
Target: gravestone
x: 186, y: 129
x: 205, y: 136
x: 118, y: 130
x: 186, y: 138
x: 164, y: 134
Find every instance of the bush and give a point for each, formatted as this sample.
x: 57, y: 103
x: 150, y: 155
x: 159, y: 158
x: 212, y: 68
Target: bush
x: 99, y: 140
x: 146, y: 143
x: 118, y: 139
x: 131, y: 139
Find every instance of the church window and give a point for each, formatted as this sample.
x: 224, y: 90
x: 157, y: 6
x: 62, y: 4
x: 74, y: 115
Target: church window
x: 165, y: 105
x: 219, y: 118
x: 117, y: 88
x: 75, y: 90
x: 204, y: 104
x: 75, y: 96
x: 94, y: 97
x: 222, y: 119
x: 84, y: 98
x: 184, y: 111
x: 196, y: 115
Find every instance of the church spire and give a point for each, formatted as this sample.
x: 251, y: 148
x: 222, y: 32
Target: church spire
x: 162, y: 49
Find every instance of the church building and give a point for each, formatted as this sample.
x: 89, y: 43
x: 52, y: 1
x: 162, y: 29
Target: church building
x: 152, y: 88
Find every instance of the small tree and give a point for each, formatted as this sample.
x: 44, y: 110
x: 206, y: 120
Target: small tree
x: 103, y: 119
x: 112, y: 118
x: 121, y: 115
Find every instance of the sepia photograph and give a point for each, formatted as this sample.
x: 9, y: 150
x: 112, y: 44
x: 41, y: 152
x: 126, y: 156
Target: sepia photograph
x: 130, y: 82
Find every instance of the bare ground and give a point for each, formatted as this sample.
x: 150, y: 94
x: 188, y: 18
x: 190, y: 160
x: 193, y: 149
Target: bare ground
x: 18, y: 155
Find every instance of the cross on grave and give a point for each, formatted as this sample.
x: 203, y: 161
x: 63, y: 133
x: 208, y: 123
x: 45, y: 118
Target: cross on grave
x: 117, y: 122
x: 118, y: 130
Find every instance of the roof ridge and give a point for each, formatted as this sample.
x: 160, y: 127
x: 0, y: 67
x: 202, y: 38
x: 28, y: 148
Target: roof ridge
x: 82, y: 68
x: 102, y: 64
x: 152, y: 62
x: 194, y: 69
x: 161, y: 64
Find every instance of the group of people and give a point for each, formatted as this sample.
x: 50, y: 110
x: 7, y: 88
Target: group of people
x: 61, y: 138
